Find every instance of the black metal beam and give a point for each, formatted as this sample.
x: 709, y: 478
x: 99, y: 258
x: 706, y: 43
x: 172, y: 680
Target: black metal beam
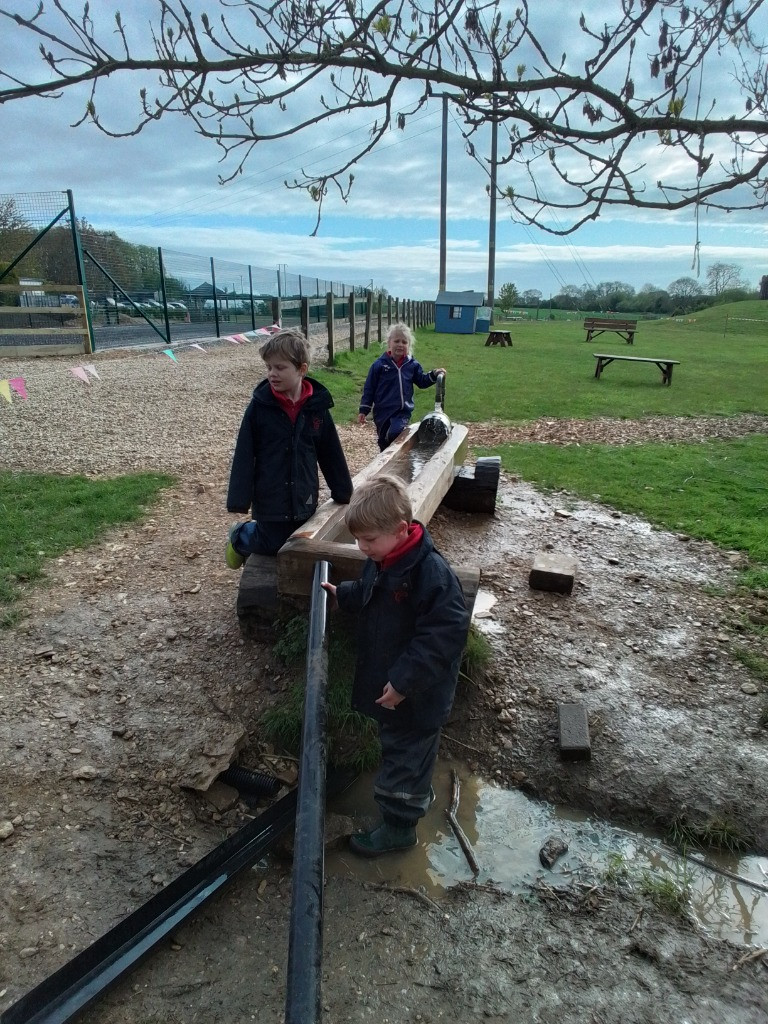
x: 305, y: 951
x: 67, y: 992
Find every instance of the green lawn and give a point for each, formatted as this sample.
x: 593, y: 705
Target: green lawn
x: 549, y: 371
x: 42, y: 516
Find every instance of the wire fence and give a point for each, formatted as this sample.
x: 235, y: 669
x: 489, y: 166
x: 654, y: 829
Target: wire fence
x: 138, y: 294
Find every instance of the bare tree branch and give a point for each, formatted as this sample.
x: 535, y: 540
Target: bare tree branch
x: 586, y: 133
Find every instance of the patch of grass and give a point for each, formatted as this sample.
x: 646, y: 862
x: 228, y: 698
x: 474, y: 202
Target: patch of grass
x: 666, y: 893
x: 717, y: 834
x: 352, y: 738
x: 616, y: 870
x: 756, y: 664
x: 477, y: 655
x: 716, y: 490
x: 42, y: 516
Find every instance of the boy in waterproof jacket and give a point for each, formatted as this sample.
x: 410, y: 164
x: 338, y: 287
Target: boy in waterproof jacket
x: 286, y: 432
x: 412, y: 630
x: 388, y: 389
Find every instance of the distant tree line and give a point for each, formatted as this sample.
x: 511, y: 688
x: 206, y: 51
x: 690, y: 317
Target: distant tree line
x: 725, y: 282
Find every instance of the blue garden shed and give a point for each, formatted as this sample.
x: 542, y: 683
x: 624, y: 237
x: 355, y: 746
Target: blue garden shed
x: 456, y: 312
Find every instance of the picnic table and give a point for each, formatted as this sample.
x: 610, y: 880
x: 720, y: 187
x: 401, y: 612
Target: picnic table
x: 665, y: 365
x: 594, y: 326
x: 499, y: 338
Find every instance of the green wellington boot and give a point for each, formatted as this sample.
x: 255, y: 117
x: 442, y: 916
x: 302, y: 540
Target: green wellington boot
x: 383, y: 839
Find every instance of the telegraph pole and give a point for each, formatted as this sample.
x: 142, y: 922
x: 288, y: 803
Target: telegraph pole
x: 443, y: 194
x: 492, y: 220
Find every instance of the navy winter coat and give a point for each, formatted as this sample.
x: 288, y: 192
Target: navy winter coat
x: 388, y: 388
x: 274, y: 468
x: 412, y: 629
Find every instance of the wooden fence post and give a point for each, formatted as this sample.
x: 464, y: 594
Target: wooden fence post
x: 329, y: 325
x: 305, y: 316
x: 389, y: 311
x: 378, y: 316
x: 368, y: 311
x: 277, y: 310
x: 352, y: 321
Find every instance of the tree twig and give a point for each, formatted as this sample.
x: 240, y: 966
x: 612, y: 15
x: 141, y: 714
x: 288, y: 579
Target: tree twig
x: 406, y: 890
x: 459, y: 832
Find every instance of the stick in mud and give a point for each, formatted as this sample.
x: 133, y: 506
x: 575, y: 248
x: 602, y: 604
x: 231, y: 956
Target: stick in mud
x: 459, y: 832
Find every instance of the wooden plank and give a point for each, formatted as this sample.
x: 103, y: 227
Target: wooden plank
x: 325, y: 536
x: 48, y: 331
x: 73, y: 311
x: 41, y: 351
x: 62, y: 289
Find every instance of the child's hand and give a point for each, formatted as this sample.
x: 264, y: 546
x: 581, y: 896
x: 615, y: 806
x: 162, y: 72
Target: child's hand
x: 361, y: 418
x: 438, y: 369
x: 330, y: 590
x: 390, y: 698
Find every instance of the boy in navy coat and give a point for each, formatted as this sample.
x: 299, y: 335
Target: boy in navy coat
x: 286, y: 432
x: 412, y: 630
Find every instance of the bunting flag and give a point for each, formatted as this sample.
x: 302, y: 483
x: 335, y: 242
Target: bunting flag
x: 5, y: 391
x: 90, y: 368
x: 169, y: 352
x: 195, y: 345
x: 79, y: 372
x: 233, y: 340
x: 19, y: 386
x: 262, y: 330
x: 242, y: 338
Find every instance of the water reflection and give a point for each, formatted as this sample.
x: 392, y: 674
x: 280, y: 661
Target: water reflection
x: 507, y: 829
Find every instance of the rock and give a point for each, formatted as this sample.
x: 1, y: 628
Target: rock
x: 553, y: 848
x: 750, y: 688
x: 221, y: 796
x: 86, y: 771
x: 6, y: 830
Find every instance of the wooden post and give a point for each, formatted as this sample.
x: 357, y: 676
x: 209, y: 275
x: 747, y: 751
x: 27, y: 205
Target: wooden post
x: 352, y: 321
x: 389, y: 311
x: 378, y: 316
x: 329, y: 325
x: 368, y: 311
x: 305, y: 315
x: 277, y: 309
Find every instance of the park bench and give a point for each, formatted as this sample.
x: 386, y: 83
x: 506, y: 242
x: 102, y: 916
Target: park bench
x: 503, y: 338
x: 594, y: 326
x: 665, y: 365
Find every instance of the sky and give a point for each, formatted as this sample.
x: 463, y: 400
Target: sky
x: 161, y: 188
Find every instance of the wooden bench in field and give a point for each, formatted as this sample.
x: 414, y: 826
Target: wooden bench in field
x: 594, y: 326
x: 665, y: 365
x: 503, y: 338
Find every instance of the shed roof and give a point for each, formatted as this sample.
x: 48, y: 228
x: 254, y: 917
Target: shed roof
x: 468, y: 298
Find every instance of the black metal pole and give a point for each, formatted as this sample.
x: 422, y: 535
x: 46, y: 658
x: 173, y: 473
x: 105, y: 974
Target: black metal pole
x: 305, y: 951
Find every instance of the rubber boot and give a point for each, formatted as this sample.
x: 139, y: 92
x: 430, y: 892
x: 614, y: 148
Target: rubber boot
x: 384, y: 838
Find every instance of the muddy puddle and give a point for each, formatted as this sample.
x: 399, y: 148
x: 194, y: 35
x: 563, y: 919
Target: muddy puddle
x: 506, y: 830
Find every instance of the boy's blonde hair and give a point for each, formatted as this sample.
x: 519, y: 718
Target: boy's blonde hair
x: 378, y: 506
x: 289, y: 343
x: 400, y: 330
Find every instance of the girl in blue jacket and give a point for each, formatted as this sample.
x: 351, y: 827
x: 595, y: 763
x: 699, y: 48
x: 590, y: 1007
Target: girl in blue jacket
x: 388, y: 390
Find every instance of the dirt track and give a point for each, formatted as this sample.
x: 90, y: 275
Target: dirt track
x: 129, y: 676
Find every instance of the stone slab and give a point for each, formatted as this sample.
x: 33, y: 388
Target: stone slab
x: 573, y: 726
x: 553, y: 571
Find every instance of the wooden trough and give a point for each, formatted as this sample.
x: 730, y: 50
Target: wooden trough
x: 428, y: 473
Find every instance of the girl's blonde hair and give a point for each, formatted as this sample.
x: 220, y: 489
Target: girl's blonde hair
x: 378, y: 506
x: 401, y: 330
x: 289, y: 343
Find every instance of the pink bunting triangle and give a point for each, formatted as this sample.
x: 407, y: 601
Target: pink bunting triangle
x: 79, y: 372
x: 90, y: 368
x: 19, y: 386
x: 233, y: 340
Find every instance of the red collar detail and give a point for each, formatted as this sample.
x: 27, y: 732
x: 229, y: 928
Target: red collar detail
x: 412, y: 540
x: 398, y: 362
x: 288, y: 404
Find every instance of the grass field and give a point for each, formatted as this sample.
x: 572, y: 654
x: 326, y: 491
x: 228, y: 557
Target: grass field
x: 549, y: 371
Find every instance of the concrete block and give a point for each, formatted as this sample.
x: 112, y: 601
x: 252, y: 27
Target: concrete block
x: 553, y: 571
x: 574, y: 732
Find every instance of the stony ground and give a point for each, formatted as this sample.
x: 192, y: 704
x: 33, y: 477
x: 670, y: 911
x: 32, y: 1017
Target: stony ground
x: 128, y: 681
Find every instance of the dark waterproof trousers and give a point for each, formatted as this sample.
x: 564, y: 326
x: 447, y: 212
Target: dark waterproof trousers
x: 403, y: 784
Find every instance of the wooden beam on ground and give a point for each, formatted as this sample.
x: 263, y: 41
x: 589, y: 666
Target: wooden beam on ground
x: 325, y: 536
